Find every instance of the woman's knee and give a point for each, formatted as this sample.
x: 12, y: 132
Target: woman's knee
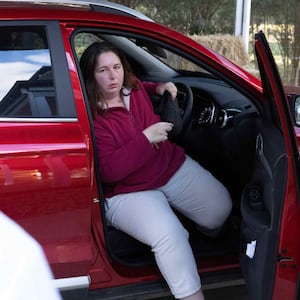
x: 218, y: 214
x: 170, y: 235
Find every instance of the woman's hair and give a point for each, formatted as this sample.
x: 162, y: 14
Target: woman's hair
x: 88, y: 63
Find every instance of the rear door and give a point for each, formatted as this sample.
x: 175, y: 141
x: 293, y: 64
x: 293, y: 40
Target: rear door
x: 270, y: 202
x: 45, y: 161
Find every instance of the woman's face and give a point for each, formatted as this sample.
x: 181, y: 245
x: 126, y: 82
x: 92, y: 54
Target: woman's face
x: 109, y: 75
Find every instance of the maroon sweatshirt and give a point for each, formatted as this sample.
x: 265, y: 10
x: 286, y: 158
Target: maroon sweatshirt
x: 128, y: 161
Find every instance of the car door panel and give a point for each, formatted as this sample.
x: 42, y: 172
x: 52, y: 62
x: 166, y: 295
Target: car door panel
x: 45, y: 159
x: 271, y: 193
x: 261, y: 208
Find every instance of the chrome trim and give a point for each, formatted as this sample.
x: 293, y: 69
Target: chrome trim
x: 213, y: 111
x: 100, y: 3
x: 234, y: 109
x: 72, y: 283
x: 210, y: 110
x: 39, y: 120
x: 223, y: 117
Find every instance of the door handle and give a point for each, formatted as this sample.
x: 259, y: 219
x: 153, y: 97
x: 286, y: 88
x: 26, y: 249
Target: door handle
x: 261, y: 156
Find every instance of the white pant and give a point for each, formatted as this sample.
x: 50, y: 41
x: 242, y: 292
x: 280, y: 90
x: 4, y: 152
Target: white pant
x: 148, y: 217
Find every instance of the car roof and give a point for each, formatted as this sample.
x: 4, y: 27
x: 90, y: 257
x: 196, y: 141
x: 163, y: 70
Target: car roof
x: 97, y: 6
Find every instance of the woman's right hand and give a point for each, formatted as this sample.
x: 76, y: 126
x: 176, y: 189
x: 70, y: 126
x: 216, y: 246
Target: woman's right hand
x: 158, y: 132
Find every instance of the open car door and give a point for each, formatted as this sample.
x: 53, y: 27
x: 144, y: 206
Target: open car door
x: 270, y: 202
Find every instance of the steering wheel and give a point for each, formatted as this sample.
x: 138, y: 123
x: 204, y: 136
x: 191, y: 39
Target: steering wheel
x: 185, y: 102
x: 177, y: 112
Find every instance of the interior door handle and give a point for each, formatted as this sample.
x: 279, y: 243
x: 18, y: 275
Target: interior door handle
x: 261, y: 156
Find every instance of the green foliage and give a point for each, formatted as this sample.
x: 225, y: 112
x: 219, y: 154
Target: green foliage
x: 188, y: 16
x: 279, y: 19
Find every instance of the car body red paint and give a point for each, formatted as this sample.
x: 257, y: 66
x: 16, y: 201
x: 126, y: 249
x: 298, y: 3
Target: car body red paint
x: 48, y: 167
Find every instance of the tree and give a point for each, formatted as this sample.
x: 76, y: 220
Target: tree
x: 188, y: 16
x: 280, y: 20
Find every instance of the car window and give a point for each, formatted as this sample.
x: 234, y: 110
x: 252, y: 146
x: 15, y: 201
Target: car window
x: 27, y: 89
x: 139, y: 49
x: 171, y: 59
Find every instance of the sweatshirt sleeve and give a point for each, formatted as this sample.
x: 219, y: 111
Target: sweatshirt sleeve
x: 150, y: 87
x: 116, y: 163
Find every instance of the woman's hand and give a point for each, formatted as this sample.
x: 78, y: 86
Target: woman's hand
x: 167, y: 86
x: 158, y: 132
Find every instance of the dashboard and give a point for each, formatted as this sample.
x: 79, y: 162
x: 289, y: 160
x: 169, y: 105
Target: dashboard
x: 214, y: 103
x: 222, y: 128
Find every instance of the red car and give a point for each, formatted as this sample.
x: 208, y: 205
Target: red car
x: 242, y: 129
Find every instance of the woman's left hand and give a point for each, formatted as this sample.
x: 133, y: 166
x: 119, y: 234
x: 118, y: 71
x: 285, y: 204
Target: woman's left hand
x: 167, y: 86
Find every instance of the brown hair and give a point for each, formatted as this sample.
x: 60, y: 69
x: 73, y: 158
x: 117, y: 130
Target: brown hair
x: 88, y: 63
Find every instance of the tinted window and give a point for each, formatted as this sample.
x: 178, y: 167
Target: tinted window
x: 27, y: 88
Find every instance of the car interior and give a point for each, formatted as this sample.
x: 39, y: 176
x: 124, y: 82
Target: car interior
x: 220, y: 125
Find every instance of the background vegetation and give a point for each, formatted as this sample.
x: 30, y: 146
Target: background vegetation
x: 279, y: 19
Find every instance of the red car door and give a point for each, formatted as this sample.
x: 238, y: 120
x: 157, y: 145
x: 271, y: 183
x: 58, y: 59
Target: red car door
x: 45, y: 158
x: 270, y: 253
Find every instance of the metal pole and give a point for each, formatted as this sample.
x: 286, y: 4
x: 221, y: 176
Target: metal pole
x: 246, y: 23
x: 242, y: 20
x: 238, y: 17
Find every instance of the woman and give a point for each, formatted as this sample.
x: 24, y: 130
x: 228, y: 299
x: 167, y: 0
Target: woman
x: 144, y: 174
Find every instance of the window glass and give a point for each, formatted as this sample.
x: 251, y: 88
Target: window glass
x: 83, y: 40
x: 138, y: 48
x: 179, y: 63
x: 27, y: 86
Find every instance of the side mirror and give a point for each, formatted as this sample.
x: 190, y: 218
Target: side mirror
x: 294, y: 100
x: 297, y: 110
